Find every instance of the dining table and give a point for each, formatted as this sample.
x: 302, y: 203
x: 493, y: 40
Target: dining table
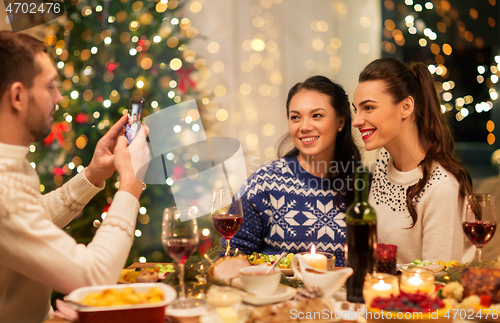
x: 252, y: 307
x: 169, y: 319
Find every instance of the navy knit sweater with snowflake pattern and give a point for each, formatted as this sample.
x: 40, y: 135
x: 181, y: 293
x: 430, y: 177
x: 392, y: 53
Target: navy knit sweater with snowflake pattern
x: 287, y: 208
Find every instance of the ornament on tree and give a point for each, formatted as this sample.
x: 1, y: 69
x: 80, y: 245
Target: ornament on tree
x: 58, y: 171
x: 185, y: 82
x: 81, y: 118
x: 111, y: 65
x: 205, y: 245
x: 154, y: 70
x: 178, y: 172
x: 57, y: 133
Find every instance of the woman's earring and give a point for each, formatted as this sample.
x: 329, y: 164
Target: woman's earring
x: 340, y: 129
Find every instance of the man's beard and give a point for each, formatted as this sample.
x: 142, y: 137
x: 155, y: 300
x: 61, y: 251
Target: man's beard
x: 36, y: 124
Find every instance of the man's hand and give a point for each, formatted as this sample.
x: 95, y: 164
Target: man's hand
x: 131, y: 161
x: 102, y: 165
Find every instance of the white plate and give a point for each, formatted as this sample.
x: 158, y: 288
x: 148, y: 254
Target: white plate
x: 76, y: 296
x: 403, y: 266
x: 242, y: 310
x: 283, y: 293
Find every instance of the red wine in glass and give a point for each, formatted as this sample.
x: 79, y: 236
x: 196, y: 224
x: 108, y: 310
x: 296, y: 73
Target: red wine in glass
x: 180, y: 249
x: 227, y: 215
x: 179, y: 237
x: 479, y: 221
x: 479, y: 232
x: 227, y: 225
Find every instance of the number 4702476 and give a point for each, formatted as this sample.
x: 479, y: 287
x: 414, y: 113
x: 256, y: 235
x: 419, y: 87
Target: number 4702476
x: 470, y: 314
x: 25, y: 7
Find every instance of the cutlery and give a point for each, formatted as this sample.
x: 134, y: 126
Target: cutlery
x: 283, y: 254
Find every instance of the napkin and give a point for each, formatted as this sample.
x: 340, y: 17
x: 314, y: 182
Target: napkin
x: 64, y: 311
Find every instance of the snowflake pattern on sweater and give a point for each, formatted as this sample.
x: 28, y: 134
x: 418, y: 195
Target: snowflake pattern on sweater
x: 286, y: 208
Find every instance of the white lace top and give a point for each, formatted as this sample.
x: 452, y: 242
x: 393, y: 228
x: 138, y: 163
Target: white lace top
x: 437, y: 234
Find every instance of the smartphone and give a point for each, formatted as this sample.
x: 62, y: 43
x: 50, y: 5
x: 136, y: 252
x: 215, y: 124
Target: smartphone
x: 134, y: 118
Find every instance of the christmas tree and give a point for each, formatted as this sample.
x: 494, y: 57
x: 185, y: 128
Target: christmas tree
x: 107, y: 52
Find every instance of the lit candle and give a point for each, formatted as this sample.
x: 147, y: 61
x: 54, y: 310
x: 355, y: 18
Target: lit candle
x: 417, y: 280
x: 379, y: 285
x: 315, y: 260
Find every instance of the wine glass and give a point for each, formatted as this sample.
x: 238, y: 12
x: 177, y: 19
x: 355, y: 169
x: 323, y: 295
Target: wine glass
x: 480, y: 220
x: 179, y: 237
x: 227, y: 215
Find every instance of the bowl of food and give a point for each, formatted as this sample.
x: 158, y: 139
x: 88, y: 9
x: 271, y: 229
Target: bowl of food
x: 267, y: 260
x: 142, y: 302
x: 256, y: 280
x: 145, y: 273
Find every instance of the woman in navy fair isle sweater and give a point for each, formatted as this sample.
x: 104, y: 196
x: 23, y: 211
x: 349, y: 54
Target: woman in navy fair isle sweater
x: 300, y: 199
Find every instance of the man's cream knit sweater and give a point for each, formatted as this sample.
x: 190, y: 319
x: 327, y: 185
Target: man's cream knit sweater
x: 36, y: 256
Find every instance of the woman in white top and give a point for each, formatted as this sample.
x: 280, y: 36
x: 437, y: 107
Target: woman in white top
x: 419, y: 183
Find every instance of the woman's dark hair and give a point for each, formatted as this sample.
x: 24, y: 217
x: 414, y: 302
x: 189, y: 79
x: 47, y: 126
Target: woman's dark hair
x: 346, y: 151
x: 415, y: 80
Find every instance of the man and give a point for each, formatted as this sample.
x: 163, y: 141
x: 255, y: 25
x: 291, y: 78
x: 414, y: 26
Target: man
x: 36, y: 256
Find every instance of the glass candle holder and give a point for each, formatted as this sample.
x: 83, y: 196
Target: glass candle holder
x: 224, y: 303
x: 222, y: 296
x: 316, y: 259
x: 387, y: 254
x: 330, y: 260
x: 417, y: 280
x: 379, y: 285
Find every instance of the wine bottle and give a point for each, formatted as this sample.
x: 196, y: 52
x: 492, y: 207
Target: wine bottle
x: 361, y: 246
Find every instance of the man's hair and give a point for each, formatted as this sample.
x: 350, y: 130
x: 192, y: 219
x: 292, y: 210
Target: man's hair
x: 17, y: 59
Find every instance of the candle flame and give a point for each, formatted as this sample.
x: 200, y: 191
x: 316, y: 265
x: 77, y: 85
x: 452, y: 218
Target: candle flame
x: 381, y: 285
x: 313, y: 250
x: 415, y: 280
